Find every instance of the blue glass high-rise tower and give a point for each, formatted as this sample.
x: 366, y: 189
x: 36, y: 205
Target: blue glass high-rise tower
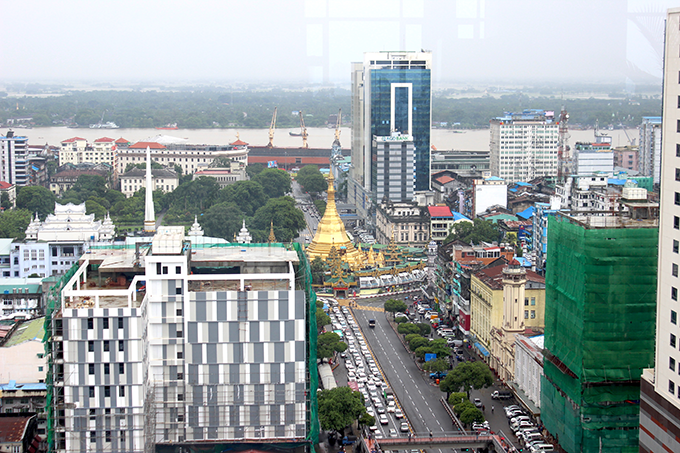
x: 391, y: 95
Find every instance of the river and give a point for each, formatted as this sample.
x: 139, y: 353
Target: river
x: 442, y: 139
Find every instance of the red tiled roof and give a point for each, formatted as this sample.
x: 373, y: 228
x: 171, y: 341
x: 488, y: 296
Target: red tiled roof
x: 12, y: 428
x: 143, y: 145
x: 214, y: 171
x: 439, y: 211
x: 444, y: 179
x: 122, y: 140
x: 104, y: 140
x: 73, y: 139
x: 239, y: 142
x: 5, y: 185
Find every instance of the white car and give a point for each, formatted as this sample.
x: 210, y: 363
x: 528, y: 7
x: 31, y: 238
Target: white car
x: 370, y: 411
x: 404, y: 427
x: 373, y: 428
x: 398, y: 414
x: 391, y: 407
x: 383, y: 419
x: 393, y: 432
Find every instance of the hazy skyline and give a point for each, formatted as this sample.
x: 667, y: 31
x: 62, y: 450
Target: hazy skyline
x: 314, y: 41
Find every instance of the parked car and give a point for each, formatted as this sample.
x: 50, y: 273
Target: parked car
x: 403, y: 427
x: 501, y: 395
x: 478, y: 403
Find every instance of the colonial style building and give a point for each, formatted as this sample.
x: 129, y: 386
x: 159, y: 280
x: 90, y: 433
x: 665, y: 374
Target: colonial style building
x: 134, y: 180
x: 405, y: 222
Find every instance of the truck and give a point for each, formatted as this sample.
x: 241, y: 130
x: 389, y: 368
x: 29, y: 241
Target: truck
x: 501, y: 395
x: 388, y: 394
x: 371, y: 323
x: 439, y: 375
x: 349, y: 440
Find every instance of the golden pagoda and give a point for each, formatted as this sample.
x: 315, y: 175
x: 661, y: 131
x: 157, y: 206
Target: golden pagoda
x: 331, y: 233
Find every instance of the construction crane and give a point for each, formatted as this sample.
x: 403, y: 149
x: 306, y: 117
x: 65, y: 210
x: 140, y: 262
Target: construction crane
x: 303, y: 131
x: 272, y: 126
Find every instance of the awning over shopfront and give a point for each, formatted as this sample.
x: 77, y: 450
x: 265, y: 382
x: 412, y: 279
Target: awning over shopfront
x: 481, y: 349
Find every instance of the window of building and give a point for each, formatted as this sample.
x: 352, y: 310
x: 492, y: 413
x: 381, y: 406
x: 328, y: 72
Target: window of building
x: 178, y: 290
x: 90, y: 323
x: 165, y: 270
x: 158, y: 268
x: 674, y: 317
x: 180, y: 397
x: 180, y: 334
x: 107, y: 391
x: 676, y: 222
x: 677, y: 174
x: 121, y: 345
x: 120, y: 323
x: 526, y: 302
x: 671, y: 363
x: 107, y: 436
x: 121, y: 390
x: 677, y: 199
x: 674, y: 270
x: 672, y: 340
x: 533, y: 314
x: 91, y: 392
x: 179, y: 312
x: 180, y: 355
x: 90, y: 346
x: 676, y: 246
x: 40, y: 368
x: 107, y: 368
x: 674, y: 293
x: 105, y: 322
x: 93, y: 436
x: 180, y: 376
x: 526, y: 314
x: 671, y: 387
x: 90, y: 368
x: 178, y: 269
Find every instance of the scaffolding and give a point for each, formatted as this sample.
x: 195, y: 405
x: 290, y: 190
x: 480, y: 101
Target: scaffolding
x: 599, y: 324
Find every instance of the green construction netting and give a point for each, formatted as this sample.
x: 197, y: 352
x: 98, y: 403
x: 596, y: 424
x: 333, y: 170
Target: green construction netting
x: 313, y: 375
x: 52, y: 304
x: 599, y: 322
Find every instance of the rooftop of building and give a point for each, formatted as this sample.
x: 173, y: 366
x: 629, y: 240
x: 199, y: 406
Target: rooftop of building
x: 527, y: 115
x: 155, y: 172
x: 104, y: 140
x: 4, y: 185
x: 13, y: 386
x: 440, y: 211
x: 493, y: 276
x: 73, y: 139
x: 9, y: 285
x: 13, y: 427
x: 144, y: 145
x: 31, y: 330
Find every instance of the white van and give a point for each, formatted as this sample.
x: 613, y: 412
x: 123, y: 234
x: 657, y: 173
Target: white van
x: 539, y: 448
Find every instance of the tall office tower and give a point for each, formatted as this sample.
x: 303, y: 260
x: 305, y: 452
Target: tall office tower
x: 524, y: 145
x: 599, y: 324
x: 650, y: 146
x: 660, y: 386
x: 14, y: 159
x: 182, y: 340
x: 391, y: 106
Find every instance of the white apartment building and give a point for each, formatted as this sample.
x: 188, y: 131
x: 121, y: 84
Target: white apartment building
x: 14, y: 159
x: 76, y: 150
x: 134, y: 180
x: 650, y: 147
x: 660, y: 386
x: 524, y: 145
x: 197, y: 356
x: 488, y: 192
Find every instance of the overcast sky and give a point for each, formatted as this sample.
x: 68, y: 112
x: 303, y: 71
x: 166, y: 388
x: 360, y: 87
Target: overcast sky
x: 314, y: 41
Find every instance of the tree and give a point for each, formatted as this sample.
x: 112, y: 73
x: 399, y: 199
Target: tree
x: 311, y: 179
x: 320, y: 206
x: 478, y: 231
x: 154, y: 166
x: 471, y: 415
x: 401, y: 320
x: 4, y: 201
x: 395, y: 306
x: 425, y: 329
x: 248, y: 195
x: 276, y: 182
x: 466, y: 376
x: 417, y: 342
x: 438, y: 365
x: 408, y: 328
x: 288, y: 220
x: 316, y: 267
x: 222, y: 220
x: 254, y: 169
x: 322, y: 319
x: 462, y: 406
x: 220, y: 162
x: 36, y: 199
x: 339, y: 408
x: 13, y: 223
x: 408, y: 338
x: 328, y: 344
x: 457, y: 398
x: 92, y: 207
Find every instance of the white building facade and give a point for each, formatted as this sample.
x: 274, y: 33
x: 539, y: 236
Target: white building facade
x: 660, y: 386
x: 529, y: 366
x: 489, y: 192
x: 650, y: 147
x: 14, y: 159
x: 524, y: 145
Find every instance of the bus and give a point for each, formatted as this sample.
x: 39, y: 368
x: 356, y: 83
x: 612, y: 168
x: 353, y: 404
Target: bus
x: 371, y: 323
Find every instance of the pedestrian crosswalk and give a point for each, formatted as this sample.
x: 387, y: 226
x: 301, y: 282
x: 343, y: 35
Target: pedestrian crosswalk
x: 369, y: 308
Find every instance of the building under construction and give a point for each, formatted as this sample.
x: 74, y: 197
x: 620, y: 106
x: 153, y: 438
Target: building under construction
x: 190, y: 342
x: 599, y: 325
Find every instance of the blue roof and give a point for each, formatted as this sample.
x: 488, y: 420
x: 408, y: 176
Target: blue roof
x: 14, y: 386
x: 458, y: 216
x: 523, y: 261
x: 494, y: 178
x: 616, y: 182
x: 524, y: 184
x: 512, y: 190
x: 527, y: 213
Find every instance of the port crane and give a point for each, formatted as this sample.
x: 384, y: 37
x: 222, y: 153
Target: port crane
x: 272, y: 126
x: 337, y: 125
x: 303, y: 131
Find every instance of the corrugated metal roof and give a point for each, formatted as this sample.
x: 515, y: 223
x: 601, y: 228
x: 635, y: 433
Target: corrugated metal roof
x: 27, y: 331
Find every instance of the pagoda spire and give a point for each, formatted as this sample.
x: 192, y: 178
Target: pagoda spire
x: 149, y: 215
x: 272, y: 238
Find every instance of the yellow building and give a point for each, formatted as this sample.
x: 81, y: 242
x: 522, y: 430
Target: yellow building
x: 486, y: 303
